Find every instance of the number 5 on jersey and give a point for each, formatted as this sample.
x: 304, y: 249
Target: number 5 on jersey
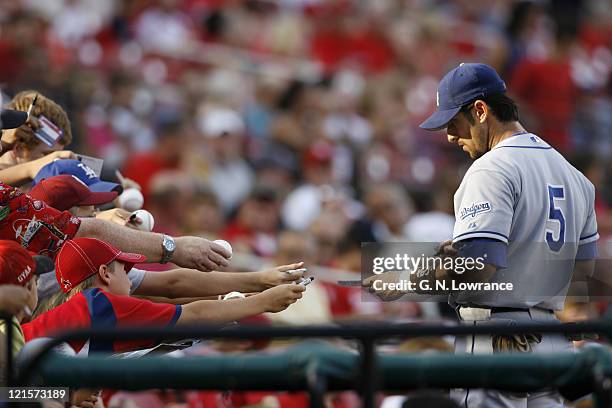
x: 555, y: 214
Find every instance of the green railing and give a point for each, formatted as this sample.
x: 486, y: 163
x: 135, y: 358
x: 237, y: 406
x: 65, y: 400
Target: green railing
x: 319, y: 368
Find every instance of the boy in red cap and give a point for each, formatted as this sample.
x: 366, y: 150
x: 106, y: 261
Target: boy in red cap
x: 17, y: 268
x: 93, y: 277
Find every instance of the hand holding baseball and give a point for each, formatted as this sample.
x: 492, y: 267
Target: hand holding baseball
x: 200, y: 253
x: 225, y: 245
x: 141, y: 220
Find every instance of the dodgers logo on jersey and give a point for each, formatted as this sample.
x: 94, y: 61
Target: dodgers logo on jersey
x: 475, y: 209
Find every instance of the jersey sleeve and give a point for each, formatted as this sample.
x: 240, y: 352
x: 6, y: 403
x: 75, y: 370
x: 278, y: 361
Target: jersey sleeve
x: 493, y: 251
x: 587, y: 245
x: 136, y: 276
x: 484, y: 206
x: 589, y: 232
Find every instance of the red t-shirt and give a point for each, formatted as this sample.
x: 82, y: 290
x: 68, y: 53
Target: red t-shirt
x: 96, y: 308
x: 32, y: 223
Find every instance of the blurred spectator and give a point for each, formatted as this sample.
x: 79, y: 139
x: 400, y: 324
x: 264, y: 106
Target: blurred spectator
x: 165, y: 27
x: 434, y: 224
x: 229, y: 175
x: 523, y: 30
x: 314, y: 307
x: 255, y: 226
x: 204, y: 216
x: 276, y: 168
x: 79, y: 20
x: 243, y: 398
x: 169, y: 195
x: 389, y: 209
x: 329, y: 229
x: 347, y: 302
x: 306, y: 201
x: 547, y: 89
x: 167, y: 155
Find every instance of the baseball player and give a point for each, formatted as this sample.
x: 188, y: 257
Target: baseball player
x: 523, y: 209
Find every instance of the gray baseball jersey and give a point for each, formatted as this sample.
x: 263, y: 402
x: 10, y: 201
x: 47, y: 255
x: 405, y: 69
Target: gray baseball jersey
x: 525, y: 194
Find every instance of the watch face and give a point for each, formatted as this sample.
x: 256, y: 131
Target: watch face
x: 169, y: 244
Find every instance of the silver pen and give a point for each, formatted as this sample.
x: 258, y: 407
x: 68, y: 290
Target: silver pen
x: 293, y: 271
x: 31, y: 108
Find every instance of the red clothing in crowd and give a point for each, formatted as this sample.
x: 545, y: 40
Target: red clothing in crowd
x: 261, y: 243
x: 205, y: 399
x: 32, y: 223
x: 368, y: 48
x: 95, y: 308
x: 142, y: 167
x: 548, y: 91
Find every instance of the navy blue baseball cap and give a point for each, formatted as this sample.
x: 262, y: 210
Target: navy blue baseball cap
x: 80, y: 171
x: 462, y: 85
x: 11, y: 119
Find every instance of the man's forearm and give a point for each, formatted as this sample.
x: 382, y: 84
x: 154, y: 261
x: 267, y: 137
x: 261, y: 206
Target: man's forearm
x: 16, y: 175
x: 124, y: 238
x: 176, y: 301
x: 193, y: 283
x: 220, y: 311
x: 237, y: 281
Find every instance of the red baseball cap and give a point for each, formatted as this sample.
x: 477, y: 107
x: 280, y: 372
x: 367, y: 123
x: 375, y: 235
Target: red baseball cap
x: 80, y: 258
x: 66, y: 191
x: 16, y: 264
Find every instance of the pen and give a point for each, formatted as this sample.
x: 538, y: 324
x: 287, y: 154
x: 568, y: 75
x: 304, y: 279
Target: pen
x: 31, y: 108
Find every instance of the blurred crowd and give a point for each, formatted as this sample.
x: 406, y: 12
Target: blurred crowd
x: 290, y: 127
x: 268, y: 122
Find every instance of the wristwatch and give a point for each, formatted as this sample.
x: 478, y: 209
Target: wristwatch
x: 168, y: 248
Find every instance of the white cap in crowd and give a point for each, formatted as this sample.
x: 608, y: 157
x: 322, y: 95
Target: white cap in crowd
x: 220, y: 121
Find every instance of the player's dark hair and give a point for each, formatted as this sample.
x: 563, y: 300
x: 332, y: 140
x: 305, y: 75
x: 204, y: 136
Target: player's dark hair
x: 502, y: 106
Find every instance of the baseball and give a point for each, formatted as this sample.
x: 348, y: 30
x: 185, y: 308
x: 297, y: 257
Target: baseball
x: 225, y: 245
x: 234, y: 295
x: 131, y: 199
x: 147, y: 221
